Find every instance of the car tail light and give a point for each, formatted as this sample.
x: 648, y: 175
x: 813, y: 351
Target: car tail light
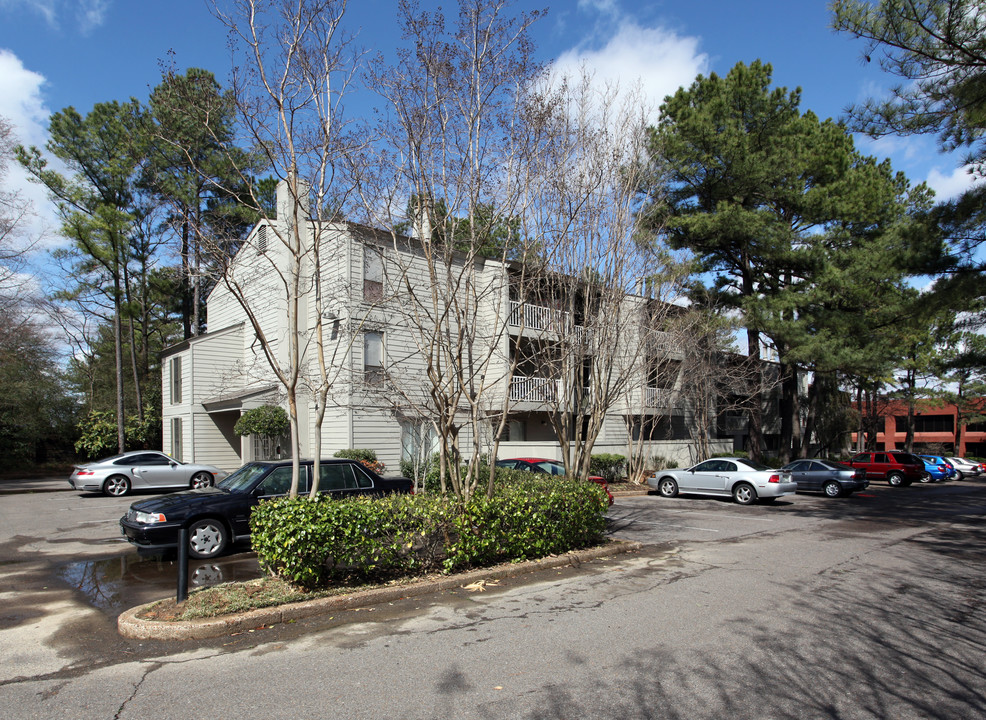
x: 774, y: 479
x: 84, y: 473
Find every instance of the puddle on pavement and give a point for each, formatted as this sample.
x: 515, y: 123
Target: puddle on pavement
x: 119, y: 583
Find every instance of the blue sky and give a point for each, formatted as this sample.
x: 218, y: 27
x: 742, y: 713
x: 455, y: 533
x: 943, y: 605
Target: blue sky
x: 56, y: 53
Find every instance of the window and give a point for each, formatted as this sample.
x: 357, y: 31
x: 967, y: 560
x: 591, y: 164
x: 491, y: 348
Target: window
x: 341, y: 477
x: 372, y: 274
x: 177, y: 441
x: 279, y: 481
x: 926, y: 423
x: 418, y: 442
x: 176, y: 380
x: 373, y: 357
x: 143, y: 459
x: 261, y: 239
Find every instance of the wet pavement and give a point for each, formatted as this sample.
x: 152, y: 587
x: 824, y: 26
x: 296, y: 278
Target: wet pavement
x: 115, y: 584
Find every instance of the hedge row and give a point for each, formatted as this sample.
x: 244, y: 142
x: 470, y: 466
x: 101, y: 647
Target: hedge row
x: 352, y: 540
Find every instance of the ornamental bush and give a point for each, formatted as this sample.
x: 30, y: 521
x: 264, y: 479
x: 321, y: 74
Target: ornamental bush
x: 354, y: 540
x: 364, y: 456
x: 609, y: 466
x: 266, y: 421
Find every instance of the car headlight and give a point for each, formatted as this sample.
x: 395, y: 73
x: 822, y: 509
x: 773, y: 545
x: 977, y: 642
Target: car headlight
x: 150, y: 518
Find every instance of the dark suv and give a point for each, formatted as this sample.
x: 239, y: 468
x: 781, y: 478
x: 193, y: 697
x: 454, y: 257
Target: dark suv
x: 897, y: 468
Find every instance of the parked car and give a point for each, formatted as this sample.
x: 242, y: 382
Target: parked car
x: 964, y: 468
x: 896, y: 467
x: 142, y: 470
x: 835, y: 479
x: 550, y: 467
x: 937, y: 469
x: 218, y: 516
x: 745, y: 480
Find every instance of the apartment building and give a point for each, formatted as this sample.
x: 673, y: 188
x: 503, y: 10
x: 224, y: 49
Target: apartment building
x: 370, y: 295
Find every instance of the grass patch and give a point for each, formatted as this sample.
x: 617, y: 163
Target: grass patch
x: 234, y: 597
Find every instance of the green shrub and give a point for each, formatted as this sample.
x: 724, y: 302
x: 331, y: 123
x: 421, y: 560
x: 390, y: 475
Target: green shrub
x: 610, y: 466
x: 659, y: 462
x: 266, y: 421
x: 364, y: 456
x: 313, y: 543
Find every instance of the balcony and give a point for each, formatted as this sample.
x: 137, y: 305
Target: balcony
x: 657, y: 397
x: 538, y: 317
x: 533, y: 389
x: 540, y: 390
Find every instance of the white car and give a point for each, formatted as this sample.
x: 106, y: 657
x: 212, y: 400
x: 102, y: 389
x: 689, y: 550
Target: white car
x: 142, y: 470
x: 745, y: 480
x: 963, y: 468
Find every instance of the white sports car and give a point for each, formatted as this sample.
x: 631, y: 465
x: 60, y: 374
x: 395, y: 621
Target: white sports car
x: 745, y: 480
x: 142, y: 470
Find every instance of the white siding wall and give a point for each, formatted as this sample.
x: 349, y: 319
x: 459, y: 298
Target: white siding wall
x: 357, y: 416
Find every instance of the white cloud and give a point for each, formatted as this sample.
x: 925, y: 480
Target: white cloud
x: 20, y: 98
x: 951, y: 185
x: 91, y: 14
x: 22, y: 103
x: 45, y: 8
x: 88, y: 14
x: 658, y: 59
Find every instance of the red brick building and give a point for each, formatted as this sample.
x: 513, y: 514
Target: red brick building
x: 934, y: 429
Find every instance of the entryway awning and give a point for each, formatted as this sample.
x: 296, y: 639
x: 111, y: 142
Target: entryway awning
x: 244, y: 399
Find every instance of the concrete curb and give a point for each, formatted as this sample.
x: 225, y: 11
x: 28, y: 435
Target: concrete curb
x: 631, y: 493
x: 131, y: 626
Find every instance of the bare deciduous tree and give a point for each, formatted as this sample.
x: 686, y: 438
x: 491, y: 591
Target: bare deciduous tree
x: 451, y: 171
x: 293, y: 64
x: 14, y: 213
x: 595, y: 331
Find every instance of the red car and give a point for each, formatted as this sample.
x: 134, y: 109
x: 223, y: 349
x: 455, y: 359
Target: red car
x: 896, y: 467
x: 548, y: 467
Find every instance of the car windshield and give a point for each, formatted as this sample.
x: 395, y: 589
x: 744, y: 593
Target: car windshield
x: 753, y: 464
x: 243, y: 478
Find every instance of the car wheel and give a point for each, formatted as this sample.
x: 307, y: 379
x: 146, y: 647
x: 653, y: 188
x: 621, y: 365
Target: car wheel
x: 959, y: 475
x: 206, y: 538
x: 832, y: 489
x: 200, y: 480
x: 744, y: 494
x: 116, y: 486
x: 668, y: 488
x: 895, y: 479
x: 926, y: 478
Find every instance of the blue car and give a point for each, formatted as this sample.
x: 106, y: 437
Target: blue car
x: 936, y: 468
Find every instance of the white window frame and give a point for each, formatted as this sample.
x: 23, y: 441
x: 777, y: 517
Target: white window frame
x: 176, y: 380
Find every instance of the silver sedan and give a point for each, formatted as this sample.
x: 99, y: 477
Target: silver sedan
x: 745, y: 480
x: 142, y: 470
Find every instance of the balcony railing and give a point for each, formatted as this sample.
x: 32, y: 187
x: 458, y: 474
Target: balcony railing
x: 533, y: 389
x: 540, y: 389
x: 539, y: 317
x: 657, y: 397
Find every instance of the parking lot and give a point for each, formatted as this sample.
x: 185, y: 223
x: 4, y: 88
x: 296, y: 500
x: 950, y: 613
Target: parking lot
x: 867, y: 606
x: 72, y: 539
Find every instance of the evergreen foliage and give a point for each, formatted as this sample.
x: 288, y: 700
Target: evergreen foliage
x: 313, y: 543
x: 268, y: 421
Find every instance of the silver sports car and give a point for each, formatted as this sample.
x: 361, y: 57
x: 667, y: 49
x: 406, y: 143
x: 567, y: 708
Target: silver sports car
x: 746, y: 480
x: 142, y: 470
